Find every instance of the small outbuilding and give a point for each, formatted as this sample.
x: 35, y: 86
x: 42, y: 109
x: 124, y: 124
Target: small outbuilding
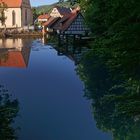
x: 72, y: 24
x: 66, y: 21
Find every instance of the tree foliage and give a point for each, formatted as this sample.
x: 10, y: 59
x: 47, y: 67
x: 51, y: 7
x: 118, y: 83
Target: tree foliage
x: 3, y: 8
x: 110, y: 69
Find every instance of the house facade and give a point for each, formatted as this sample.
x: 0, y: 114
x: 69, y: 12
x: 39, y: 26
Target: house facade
x: 66, y: 21
x: 43, y: 18
x: 60, y: 11
x: 73, y: 24
x: 18, y: 14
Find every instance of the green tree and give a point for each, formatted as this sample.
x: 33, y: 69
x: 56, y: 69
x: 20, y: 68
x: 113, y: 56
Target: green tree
x: 3, y: 8
x: 110, y: 69
x: 35, y: 14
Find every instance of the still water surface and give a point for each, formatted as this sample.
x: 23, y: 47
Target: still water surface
x: 49, y: 91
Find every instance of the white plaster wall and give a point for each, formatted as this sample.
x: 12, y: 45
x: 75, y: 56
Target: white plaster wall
x: 8, y: 14
x: 41, y: 20
x: 55, y: 13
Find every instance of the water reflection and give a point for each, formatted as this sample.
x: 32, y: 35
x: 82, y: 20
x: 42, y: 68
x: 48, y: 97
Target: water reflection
x: 68, y: 47
x: 8, y: 111
x: 14, y: 53
x: 115, y: 97
x: 50, y: 94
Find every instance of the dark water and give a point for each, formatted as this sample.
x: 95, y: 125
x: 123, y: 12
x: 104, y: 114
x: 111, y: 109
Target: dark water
x: 49, y: 92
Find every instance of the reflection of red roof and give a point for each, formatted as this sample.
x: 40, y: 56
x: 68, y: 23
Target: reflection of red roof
x: 45, y: 16
x: 13, y: 59
x: 12, y: 3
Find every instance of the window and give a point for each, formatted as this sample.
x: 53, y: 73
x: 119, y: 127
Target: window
x: 13, y: 18
x: 26, y: 17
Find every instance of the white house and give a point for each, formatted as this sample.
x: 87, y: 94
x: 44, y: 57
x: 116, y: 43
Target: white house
x: 18, y: 14
x: 43, y: 18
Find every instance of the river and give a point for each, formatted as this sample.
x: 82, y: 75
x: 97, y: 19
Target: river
x: 50, y: 93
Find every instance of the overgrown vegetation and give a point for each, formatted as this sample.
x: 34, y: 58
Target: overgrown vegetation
x: 111, y: 69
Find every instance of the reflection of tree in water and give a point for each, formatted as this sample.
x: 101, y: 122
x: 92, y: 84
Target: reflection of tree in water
x: 3, y: 55
x: 8, y: 111
x: 115, y: 93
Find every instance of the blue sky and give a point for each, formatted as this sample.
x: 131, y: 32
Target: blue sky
x: 42, y: 2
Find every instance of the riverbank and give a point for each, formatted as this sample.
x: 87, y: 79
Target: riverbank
x: 22, y: 35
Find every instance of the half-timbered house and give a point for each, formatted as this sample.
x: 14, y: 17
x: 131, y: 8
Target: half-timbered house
x: 73, y: 24
x: 66, y: 21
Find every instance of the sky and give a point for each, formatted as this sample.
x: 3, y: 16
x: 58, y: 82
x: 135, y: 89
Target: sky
x: 42, y: 2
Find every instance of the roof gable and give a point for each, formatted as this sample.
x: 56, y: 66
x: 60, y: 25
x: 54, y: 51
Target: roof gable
x: 60, y: 11
x: 63, y: 10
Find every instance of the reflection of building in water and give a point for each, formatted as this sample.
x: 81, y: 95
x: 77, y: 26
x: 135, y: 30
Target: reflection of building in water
x: 14, y: 53
x: 73, y: 52
x: 11, y: 43
x: 45, y: 38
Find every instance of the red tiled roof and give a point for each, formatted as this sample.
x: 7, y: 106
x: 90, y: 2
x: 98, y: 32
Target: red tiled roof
x: 12, y: 3
x: 51, y: 21
x: 45, y: 16
x: 70, y: 20
x: 66, y: 21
